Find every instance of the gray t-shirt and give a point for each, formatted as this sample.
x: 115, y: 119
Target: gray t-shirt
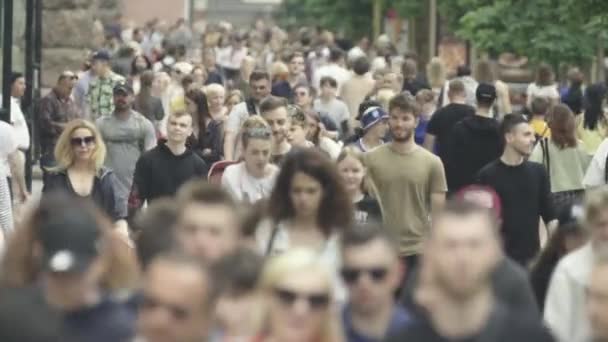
x: 336, y: 109
x: 126, y: 139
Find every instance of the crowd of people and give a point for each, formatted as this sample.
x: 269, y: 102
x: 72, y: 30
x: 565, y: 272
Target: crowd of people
x: 264, y: 186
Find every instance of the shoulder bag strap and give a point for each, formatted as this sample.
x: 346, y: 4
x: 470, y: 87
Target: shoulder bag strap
x: 273, y: 235
x: 544, y: 143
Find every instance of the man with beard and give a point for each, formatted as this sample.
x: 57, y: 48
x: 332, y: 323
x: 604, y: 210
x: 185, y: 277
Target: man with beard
x: 259, y: 82
x: 162, y: 170
x: 523, y: 188
x: 565, y: 303
x: 127, y: 134
x: 274, y: 111
x: 410, y: 180
x: 460, y: 254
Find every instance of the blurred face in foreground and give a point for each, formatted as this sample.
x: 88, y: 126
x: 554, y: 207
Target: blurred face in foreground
x: 462, y: 252
x: 299, y: 305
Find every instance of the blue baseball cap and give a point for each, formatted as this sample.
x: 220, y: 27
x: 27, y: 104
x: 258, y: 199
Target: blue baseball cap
x: 372, y: 116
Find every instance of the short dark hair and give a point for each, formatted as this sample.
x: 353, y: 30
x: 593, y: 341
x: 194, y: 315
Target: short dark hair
x: 456, y: 87
x: 294, y: 54
x: 463, y: 207
x: 328, y: 80
x: 311, y: 91
x: 544, y: 75
x: 154, y: 235
x: 178, y: 257
x: 199, y: 191
x: 238, y: 273
x: 404, y: 102
x: 361, y: 234
x: 271, y: 103
x: 15, y: 75
x: 539, y: 106
x: 509, y: 122
x: 335, y: 54
x: 361, y: 66
x: 257, y: 75
x: 463, y: 70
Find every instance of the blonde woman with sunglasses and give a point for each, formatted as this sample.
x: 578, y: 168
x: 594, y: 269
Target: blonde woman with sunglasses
x: 80, y: 153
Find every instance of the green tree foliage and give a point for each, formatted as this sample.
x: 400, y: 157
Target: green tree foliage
x: 353, y: 18
x: 555, y: 31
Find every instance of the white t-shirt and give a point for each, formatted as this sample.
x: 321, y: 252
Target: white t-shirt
x: 8, y: 145
x: 549, y: 92
x: 18, y: 121
x: 246, y: 188
x: 335, y: 108
x: 596, y: 172
x: 329, y: 253
x: 340, y: 74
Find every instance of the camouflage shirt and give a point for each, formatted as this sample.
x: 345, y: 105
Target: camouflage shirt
x: 100, y: 97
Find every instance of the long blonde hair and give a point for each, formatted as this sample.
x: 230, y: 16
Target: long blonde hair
x: 297, y: 260
x: 368, y: 185
x: 64, y: 154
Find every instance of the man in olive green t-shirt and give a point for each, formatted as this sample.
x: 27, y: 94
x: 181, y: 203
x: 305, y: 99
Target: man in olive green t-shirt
x: 410, y: 180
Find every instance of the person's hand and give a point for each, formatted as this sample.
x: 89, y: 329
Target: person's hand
x: 24, y: 196
x: 322, y: 130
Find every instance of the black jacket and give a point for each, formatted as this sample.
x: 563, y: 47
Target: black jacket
x: 103, y: 193
x: 159, y: 173
x: 474, y: 142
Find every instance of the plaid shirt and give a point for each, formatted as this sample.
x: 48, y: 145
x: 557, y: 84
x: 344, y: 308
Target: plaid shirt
x: 100, y: 96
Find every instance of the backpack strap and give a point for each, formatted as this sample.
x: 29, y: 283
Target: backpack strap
x: 544, y: 143
x: 273, y: 236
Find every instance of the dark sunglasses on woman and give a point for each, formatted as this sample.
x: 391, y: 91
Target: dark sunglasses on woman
x: 316, y: 301
x: 84, y: 141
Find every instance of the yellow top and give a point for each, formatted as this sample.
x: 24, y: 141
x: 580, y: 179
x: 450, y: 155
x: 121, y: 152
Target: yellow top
x: 541, y: 128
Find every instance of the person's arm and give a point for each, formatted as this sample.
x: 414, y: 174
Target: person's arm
x: 217, y: 142
x: 16, y: 162
x: 47, y: 125
x: 438, y: 187
x: 429, y: 142
x: 547, y: 209
x: 558, y: 315
x: 150, y: 136
x: 138, y: 194
x: 505, y: 98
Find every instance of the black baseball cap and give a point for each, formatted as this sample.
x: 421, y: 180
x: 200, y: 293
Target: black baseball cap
x: 485, y: 92
x: 122, y: 88
x: 101, y: 55
x: 70, y: 240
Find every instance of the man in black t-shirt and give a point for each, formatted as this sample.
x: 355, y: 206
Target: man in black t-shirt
x: 444, y: 119
x: 455, y: 288
x: 523, y: 188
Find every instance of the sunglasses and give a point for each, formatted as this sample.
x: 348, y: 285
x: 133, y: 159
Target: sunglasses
x: 82, y: 141
x: 352, y: 275
x: 316, y: 301
x: 176, y: 312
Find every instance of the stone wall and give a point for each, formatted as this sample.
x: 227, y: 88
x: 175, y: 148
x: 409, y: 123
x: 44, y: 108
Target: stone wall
x: 69, y: 32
